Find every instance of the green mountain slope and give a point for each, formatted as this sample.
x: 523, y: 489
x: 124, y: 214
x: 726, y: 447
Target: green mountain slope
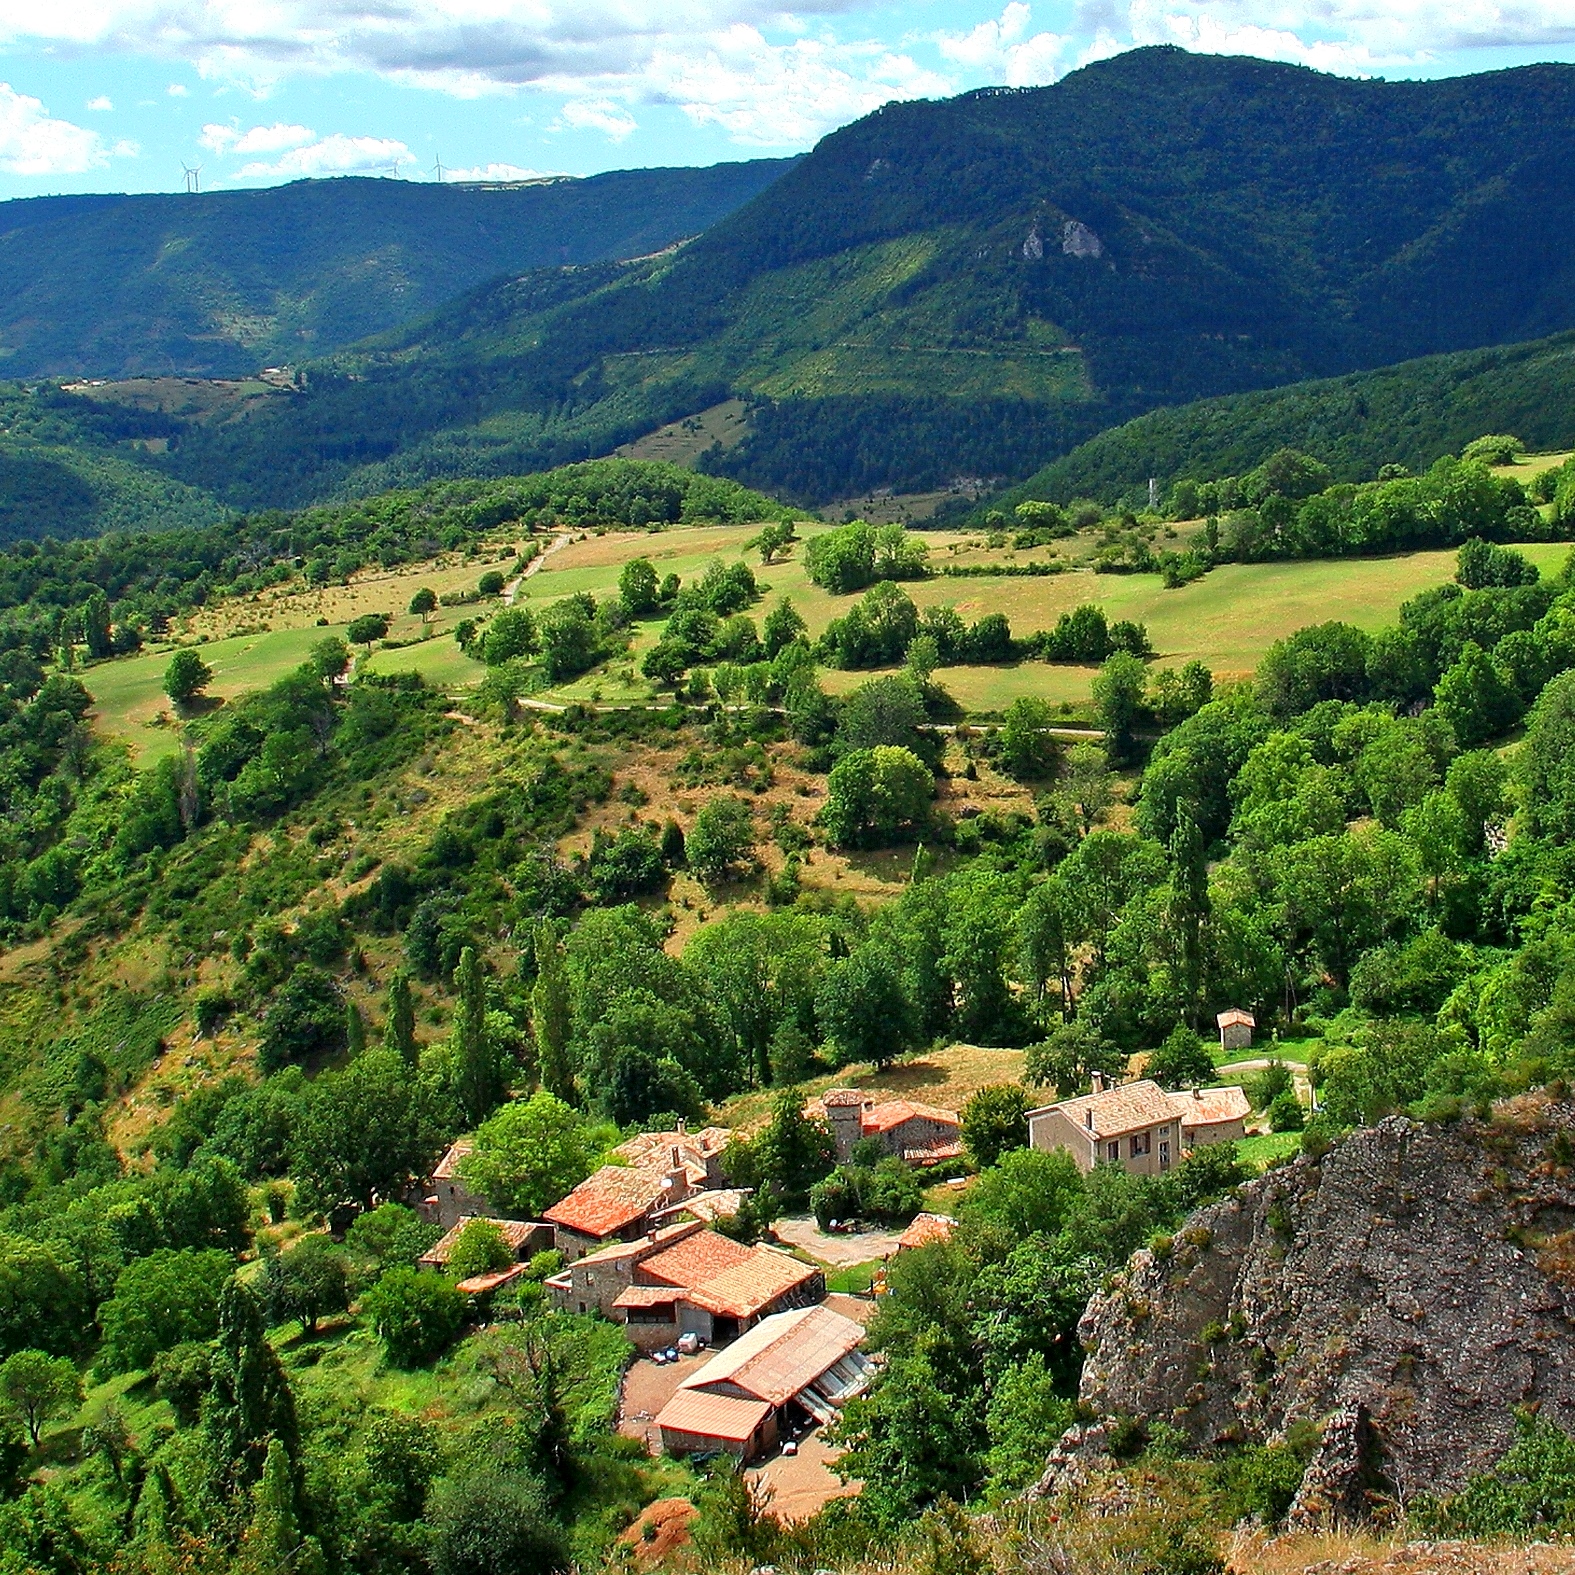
x: 1412, y: 413
x: 976, y: 285
x: 223, y: 283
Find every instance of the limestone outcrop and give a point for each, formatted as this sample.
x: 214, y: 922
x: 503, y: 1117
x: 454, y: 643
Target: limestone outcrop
x: 1405, y: 1294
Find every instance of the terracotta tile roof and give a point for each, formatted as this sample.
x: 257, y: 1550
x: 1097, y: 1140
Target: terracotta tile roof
x: 927, y: 1228
x: 882, y: 1118
x: 608, y: 1201
x: 649, y: 1296
x: 843, y: 1096
x: 719, y: 1203
x: 1116, y: 1111
x: 619, y: 1250
x: 933, y: 1153
x: 516, y: 1233
x: 1203, y: 1107
x: 782, y: 1355
x: 747, y: 1288
x: 654, y: 1150
x: 1235, y: 1016
x: 697, y: 1257
x: 712, y: 1416
x: 477, y: 1284
x: 447, y: 1168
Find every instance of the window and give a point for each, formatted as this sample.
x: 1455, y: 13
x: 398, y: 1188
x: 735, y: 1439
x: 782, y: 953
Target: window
x: 1164, y: 1154
x: 651, y: 1315
x: 1113, y: 1150
x: 1141, y: 1143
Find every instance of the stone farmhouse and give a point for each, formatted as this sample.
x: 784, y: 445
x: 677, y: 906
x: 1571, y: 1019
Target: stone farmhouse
x: 1138, y: 1125
x: 921, y: 1134
x: 686, y: 1279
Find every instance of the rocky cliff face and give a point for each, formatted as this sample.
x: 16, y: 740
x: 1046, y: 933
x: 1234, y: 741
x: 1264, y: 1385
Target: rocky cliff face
x: 1416, y: 1284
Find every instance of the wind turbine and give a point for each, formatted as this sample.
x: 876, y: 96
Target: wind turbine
x: 437, y: 169
x: 193, y: 178
x: 397, y: 163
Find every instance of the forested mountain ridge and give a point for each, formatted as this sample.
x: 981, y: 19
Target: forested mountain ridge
x: 972, y: 286
x: 222, y: 283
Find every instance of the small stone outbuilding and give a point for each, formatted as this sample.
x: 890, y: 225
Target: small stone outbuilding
x: 1236, y: 1028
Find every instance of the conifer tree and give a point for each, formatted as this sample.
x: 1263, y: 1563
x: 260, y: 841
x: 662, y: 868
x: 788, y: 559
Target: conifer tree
x: 249, y: 1403
x: 355, y: 1029
x: 549, y: 1016
x: 399, y: 1031
x: 479, y: 1084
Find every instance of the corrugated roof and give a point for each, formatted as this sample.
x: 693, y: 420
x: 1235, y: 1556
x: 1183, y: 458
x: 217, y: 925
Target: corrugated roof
x: 712, y: 1416
x: 1128, y: 1108
x: 608, y: 1201
x: 882, y: 1118
x: 781, y: 1355
x: 748, y: 1287
x: 699, y: 1256
x: 926, y: 1228
x: 1203, y: 1107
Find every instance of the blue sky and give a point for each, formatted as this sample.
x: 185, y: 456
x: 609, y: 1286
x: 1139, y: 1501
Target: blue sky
x: 118, y: 95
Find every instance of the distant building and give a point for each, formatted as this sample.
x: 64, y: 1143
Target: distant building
x: 700, y: 1153
x: 921, y: 1134
x: 524, y: 1239
x: 686, y: 1280
x: 446, y: 1199
x: 1236, y: 1027
x: 806, y: 1362
x: 924, y: 1229
x: 1138, y: 1125
x: 615, y: 1203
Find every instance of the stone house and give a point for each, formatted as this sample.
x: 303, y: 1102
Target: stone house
x: 1137, y: 1125
x: 699, y: 1153
x: 613, y: 1204
x: 919, y: 1133
x: 1236, y: 1028
x: 446, y: 1200
x: 686, y: 1279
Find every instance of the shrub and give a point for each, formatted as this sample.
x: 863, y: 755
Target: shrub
x: 417, y: 1315
x: 1285, y: 1112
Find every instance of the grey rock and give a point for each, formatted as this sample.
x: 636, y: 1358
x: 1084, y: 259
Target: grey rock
x: 1418, y: 1278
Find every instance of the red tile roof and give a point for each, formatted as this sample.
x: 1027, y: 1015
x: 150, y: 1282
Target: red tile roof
x: 698, y: 1256
x: 619, y: 1250
x: 748, y: 1288
x: 648, y: 1296
x: 712, y: 1416
x: 447, y: 1168
x: 1205, y: 1107
x: 1234, y: 1017
x: 882, y: 1118
x: 609, y: 1201
x: 927, y: 1228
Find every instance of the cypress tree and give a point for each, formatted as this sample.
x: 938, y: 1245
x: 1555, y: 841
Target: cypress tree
x: 480, y: 1088
x: 355, y: 1029
x: 549, y: 1015
x: 399, y: 1031
x: 249, y: 1404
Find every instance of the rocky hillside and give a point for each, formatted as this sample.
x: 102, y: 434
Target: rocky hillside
x: 1418, y: 1283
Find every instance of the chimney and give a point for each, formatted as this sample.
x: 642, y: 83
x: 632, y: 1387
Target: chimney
x: 1099, y: 1082
x: 677, y: 1158
x: 1197, y: 1093
x: 683, y: 1126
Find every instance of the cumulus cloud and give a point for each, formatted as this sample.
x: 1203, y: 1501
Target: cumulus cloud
x: 497, y: 172
x: 1005, y: 51
x: 33, y: 142
x: 598, y: 114
x: 101, y: 104
x: 225, y: 140
x: 334, y: 155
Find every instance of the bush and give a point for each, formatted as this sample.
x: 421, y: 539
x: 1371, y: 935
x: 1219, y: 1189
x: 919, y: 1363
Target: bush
x: 159, y: 1301
x: 186, y: 677
x: 478, y: 1249
x: 1181, y: 1062
x: 994, y: 1122
x: 1532, y: 1488
x: 494, y: 1521
x: 1285, y: 1112
x: 417, y: 1315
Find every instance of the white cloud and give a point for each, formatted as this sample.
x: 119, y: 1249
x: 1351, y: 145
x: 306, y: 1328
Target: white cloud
x: 497, y: 172
x: 335, y: 155
x: 784, y: 95
x: 1005, y: 51
x: 226, y: 140
x: 33, y: 142
x: 178, y: 90
x: 101, y: 104
x: 598, y: 114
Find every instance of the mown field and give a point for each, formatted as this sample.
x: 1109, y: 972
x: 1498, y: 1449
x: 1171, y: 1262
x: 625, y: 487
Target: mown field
x: 1227, y: 620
